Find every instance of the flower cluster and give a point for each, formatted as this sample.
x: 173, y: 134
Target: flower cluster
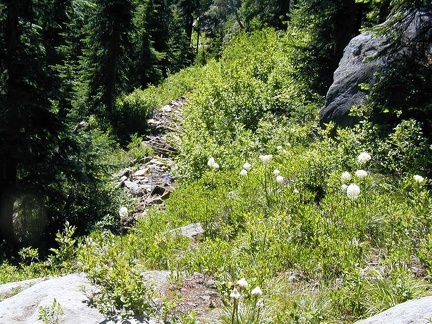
x: 123, y: 212
x: 352, y: 190
x: 212, y: 164
x: 418, y: 178
x: 246, y: 167
x: 266, y: 158
x: 364, y: 157
x: 242, y: 284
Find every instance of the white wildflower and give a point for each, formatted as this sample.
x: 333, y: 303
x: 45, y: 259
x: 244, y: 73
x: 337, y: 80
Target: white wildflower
x: 364, y: 157
x: 256, y: 291
x: 266, y: 158
x: 346, y: 176
x: 247, y: 166
x: 276, y: 172
x: 211, y: 161
x: 235, y: 294
x: 215, y: 166
x: 243, y: 173
x: 361, y: 174
x: 353, y: 191
x: 344, y: 188
x: 242, y: 283
x: 280, y: 179
x: 123, y: 212
x: 418, y: 178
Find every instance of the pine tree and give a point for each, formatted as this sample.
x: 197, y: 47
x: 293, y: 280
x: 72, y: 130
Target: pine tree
x: 30, y: 128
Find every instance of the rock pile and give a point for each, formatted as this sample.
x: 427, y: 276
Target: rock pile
x: 150, y: 179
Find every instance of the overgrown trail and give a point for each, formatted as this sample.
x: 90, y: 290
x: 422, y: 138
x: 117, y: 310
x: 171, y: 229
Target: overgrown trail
x: 150, y: 179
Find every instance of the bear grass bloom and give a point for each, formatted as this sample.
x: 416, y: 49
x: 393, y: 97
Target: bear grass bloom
x: 361, y: 174
x: 256, y: 291
x: 211, y: 161
x: 123, y: 212
x: 276, y: 172
x: 266, y: 158
x: 235, y: 294
x: 353, y: 191
x: 346, y: 176
x: 247, y: 166
x: 242, y: 283
x: 418, y: 178
x: 344, y: 188
x: 243, y: 173
x: 212, y: 164
x: 280, y: 179
x: 364, y: 157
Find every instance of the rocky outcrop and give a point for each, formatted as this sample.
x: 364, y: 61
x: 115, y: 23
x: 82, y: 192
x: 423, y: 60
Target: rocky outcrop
x: 368, y: 55
x: 25, y: 305
x: 414, y: 311
x: 21, y: 302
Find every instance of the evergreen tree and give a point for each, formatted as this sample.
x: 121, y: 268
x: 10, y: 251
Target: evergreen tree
x: 106, y: 56
x: 327, y: 27
x: 30, y: 128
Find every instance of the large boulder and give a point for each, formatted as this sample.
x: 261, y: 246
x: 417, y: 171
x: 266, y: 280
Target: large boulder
x: 414, y: 311
x: 367, y: 58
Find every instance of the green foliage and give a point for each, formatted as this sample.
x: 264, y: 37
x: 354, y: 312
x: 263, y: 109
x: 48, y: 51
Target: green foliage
x: 251, y: 83
x: 65, y: 253
x: 51, y: 314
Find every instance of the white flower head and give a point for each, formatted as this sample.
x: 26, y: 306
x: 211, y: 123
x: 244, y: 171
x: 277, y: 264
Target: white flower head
x: 280, y: 179
x: 353, y: 191
x: 243, y: 173
x: 296, y: 191
x: 346, y: 176
x: 235, y: 294
x: 344, y: 188
x: 279, y: 148
x: 266, y: 158
x: 247, y: 166
x: 123, y: 212
x: 256, y: 291
x: 418, y: 178
x: 276, y: 172
x: 242, y: 283
x: 361, y: 174
x: 364, y: 157
x: 215, y: 166
x: 211, y: 161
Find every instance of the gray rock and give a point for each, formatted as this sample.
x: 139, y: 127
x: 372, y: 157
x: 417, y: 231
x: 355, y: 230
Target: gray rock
x: 69, y: 292
x: 416, y: 311
x: 190, y: 230
x: 24, y: 306
x: 13, y: 288
x: 357, y: 65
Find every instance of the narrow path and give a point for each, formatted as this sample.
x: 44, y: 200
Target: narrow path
x: 150, y: 179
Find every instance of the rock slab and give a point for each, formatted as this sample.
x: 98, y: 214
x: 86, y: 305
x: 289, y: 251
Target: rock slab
x: 24, y: 306
x: 417, y: 311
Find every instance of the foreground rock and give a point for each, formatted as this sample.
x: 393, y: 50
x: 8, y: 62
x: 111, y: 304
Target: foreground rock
x: 411, y: 312
x: 23, y: 300
x: 23, y: 307
x: 360, y: 65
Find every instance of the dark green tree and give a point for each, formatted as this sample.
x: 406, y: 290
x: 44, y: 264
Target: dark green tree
x: 30, y: 128
x: 329, y: 26
x: 106, y: 57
